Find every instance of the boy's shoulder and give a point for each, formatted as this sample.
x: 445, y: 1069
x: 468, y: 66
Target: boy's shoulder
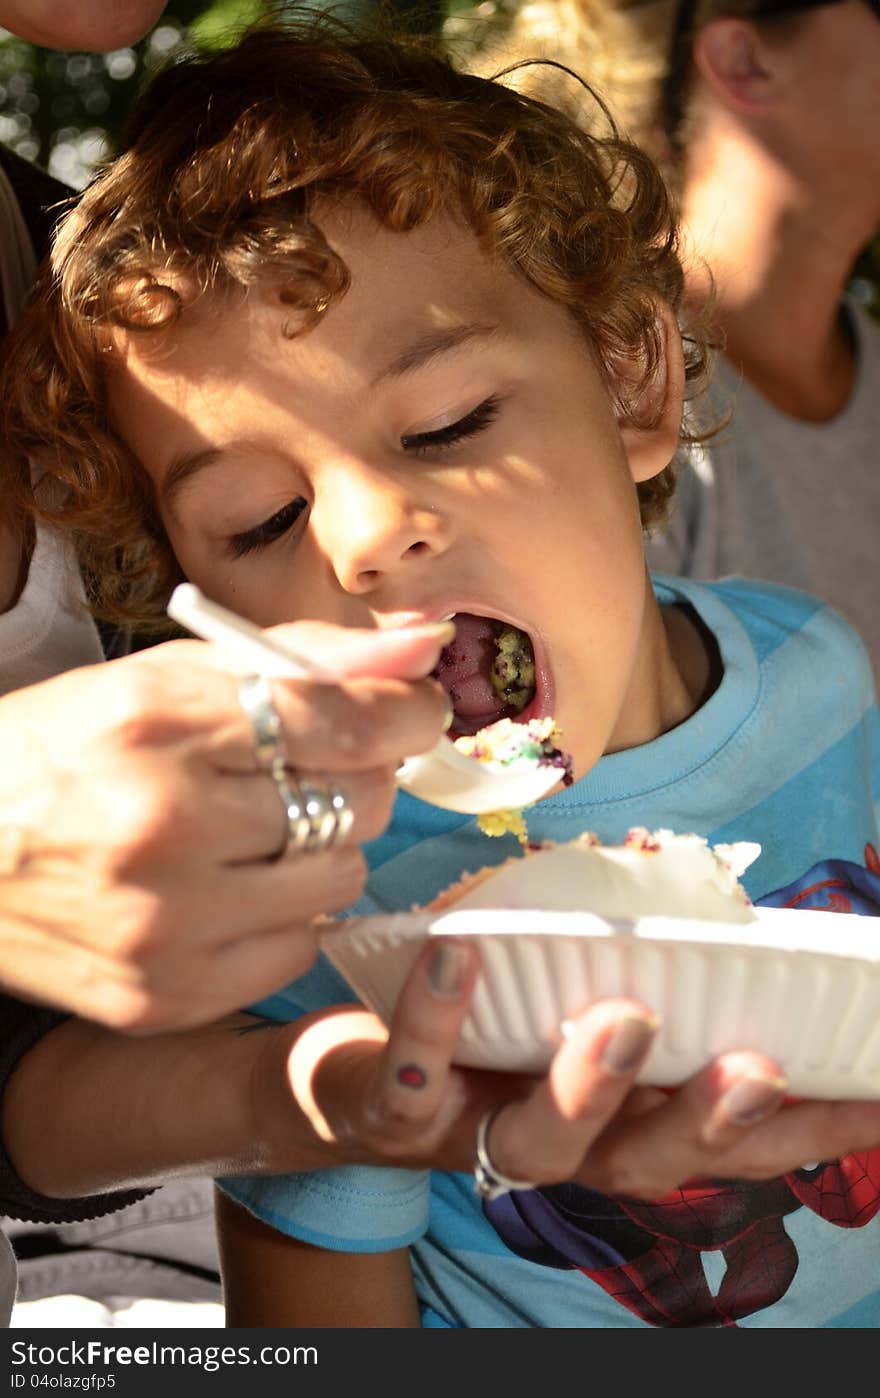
x: 800, y: 655
x: 770, y: 607
x: 774, y: 615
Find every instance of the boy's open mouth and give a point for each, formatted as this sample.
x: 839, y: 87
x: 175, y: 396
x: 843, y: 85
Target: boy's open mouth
x: 488, y: 671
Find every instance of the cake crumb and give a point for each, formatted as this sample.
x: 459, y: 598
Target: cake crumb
x: 503, y: 823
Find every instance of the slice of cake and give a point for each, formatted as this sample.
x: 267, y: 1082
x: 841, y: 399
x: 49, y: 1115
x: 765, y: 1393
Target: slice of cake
x: 652, y: 874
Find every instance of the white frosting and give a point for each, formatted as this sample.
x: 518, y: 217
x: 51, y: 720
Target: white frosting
x: 660, y: 875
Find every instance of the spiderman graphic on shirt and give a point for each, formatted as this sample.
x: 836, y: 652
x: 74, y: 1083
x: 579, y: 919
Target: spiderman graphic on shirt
x: 647, y: 1255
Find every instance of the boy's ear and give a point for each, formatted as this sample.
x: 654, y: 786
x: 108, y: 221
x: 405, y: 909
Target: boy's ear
x: 733, y: 60
x: 651, y: 425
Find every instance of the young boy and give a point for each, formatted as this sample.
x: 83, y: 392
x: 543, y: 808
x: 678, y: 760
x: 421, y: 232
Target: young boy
x: 378, y: 343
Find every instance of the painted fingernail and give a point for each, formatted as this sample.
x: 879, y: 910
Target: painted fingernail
x: 751, y: 1099
x: 442, y: 631
x: 447, y: 968
x: 449, y: 715
x: 629, y: 1044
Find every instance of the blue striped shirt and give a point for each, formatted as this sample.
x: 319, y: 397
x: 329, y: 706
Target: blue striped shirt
x: 786, y: 752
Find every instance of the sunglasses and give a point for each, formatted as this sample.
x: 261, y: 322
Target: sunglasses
x: 675, y: 82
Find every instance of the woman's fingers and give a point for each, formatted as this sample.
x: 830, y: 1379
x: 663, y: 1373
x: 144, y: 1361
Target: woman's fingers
x: 287, y: 893
x: 383, y: 708
x: 162, y: 987
x: 414, y: 1083
x: 689, y: 1132
x: 154, y: 843
x: 407, y: 652
x: 799, y: 1135
x: 249, y: 822
x: 545, y: 1137
x: 166, y: 764
x: 177, y: 695
x: 389, y: 1094
x: 392, y: 1096
x: 729, y: 1122
x: 359, y: 724
x: 182, y: 993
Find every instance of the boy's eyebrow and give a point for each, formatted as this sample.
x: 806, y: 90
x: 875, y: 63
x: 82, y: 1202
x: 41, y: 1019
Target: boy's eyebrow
x: 428, y: 346
x: 184, y: 467
x: 411, y: 357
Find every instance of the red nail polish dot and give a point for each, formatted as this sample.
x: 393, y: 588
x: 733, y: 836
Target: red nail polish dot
x: 411, y: 1076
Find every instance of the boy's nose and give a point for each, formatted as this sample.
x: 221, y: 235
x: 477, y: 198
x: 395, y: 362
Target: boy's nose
x: 374, y: 527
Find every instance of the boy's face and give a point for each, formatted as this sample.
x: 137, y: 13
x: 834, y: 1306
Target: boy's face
x: 441, y: 442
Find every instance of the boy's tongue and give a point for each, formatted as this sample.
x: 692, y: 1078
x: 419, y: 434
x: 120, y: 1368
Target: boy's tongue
x: 465, y: 671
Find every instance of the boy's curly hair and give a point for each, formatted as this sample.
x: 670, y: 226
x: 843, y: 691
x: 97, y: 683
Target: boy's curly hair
x: 224, y: 159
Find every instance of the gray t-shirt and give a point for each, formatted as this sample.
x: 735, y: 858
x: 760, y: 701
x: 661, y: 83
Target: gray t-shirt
x: 789, y: 501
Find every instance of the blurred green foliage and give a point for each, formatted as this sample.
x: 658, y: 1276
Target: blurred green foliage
x: 65, y: 110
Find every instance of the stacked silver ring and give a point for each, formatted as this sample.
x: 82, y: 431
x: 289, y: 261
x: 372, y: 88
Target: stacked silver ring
x: 317, y: 817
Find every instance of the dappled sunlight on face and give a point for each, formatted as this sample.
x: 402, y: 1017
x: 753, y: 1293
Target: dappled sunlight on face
x: 440, y: 442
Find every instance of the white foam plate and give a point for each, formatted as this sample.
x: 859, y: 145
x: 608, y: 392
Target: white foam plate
x: 800, y: 985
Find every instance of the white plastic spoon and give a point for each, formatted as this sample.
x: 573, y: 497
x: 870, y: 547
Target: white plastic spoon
x: 444, y: 776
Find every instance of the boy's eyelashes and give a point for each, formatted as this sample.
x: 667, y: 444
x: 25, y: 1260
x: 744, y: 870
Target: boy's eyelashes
x: 283, y: 520
x: 477, y: 420
x: 268, y: 530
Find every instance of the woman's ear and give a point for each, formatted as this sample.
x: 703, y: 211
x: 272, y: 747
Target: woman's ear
x: 650, y: 425
x: 733, y: 61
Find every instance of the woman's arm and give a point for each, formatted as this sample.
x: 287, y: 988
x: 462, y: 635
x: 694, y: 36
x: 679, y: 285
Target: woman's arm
x: 138, y: 884
x: 87, y: 1110
x: 270, y: 1279
x: 22, y: 1026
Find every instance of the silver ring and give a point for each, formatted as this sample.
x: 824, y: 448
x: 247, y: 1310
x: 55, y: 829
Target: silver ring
x: 255, y: 697
x: 489, y: 1181
x: 297, y: 824
x: 344, y: 816
x: 316, y: 818
x: 322, y: 816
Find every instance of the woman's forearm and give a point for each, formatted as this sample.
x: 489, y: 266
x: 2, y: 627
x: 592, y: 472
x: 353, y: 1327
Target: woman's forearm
x: 88, y: 1111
